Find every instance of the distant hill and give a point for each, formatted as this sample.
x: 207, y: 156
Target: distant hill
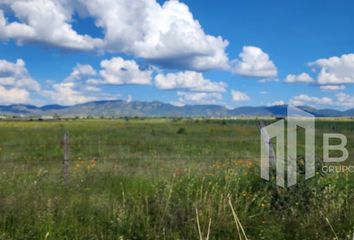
x: 119, y: 108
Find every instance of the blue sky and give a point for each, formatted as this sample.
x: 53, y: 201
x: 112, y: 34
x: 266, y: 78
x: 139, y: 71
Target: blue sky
x: 234, y: 53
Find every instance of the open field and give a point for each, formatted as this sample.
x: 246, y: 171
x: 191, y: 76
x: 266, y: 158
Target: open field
x: 157, y: 178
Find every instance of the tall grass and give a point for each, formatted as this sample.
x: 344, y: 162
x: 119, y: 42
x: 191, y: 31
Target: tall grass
x: 142, y: 180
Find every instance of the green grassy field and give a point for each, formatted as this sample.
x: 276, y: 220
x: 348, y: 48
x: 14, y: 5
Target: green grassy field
x: 162, y: 179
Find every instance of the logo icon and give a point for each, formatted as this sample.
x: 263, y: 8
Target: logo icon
x: 286, y: 171
x: 295, y: 118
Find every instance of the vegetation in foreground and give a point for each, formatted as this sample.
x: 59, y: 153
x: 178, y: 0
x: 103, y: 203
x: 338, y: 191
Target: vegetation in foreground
x: 161, y: 179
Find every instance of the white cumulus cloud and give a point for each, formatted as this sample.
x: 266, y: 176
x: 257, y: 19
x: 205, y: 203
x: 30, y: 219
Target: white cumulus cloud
x: 253, y: 62
x: 16, y: 75
x: 339, y: 100
x: 14, y: 95
x: 83, y: 83
x: 238, y: 96
x: 166, y: 33
x: 74, y: 89
x: 332, y: 87
x: 188, y: 80
x: 67, y: 93
x: 47, y: 21
x: 16, y: 84
x: 345, y: 100
x: 304, y: 99
x: 276, y: 103
x: 118, y: 71
x: 335, y: 70
x: 301, y: 78
x: 82, y: 72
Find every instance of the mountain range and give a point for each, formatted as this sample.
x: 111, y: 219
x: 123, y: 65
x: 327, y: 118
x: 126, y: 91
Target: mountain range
x: 120, y: 108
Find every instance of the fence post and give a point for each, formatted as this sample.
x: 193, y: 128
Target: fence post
x: 66, y: 157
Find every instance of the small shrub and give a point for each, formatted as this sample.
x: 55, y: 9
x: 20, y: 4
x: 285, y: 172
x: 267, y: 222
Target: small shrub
x: 181, y: 131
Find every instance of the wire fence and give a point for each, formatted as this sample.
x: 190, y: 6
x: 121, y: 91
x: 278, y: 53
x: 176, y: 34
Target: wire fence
x: 68, y: 152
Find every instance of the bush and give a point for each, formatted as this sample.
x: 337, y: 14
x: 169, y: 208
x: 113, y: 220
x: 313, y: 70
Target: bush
x: 181, y: 131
